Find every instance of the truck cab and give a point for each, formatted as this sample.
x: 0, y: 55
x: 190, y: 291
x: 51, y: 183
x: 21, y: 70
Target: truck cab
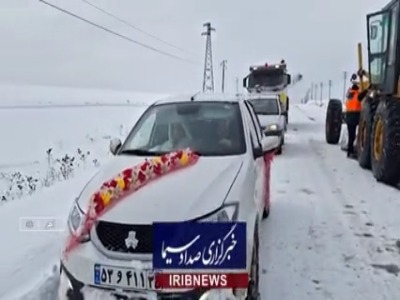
x: 270, y: 79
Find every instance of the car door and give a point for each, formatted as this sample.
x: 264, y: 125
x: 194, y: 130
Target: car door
x: 259, y: 165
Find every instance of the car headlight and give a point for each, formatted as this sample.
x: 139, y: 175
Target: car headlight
x: 271, y: 127
x: 226, y: 213
x: 75, y: 221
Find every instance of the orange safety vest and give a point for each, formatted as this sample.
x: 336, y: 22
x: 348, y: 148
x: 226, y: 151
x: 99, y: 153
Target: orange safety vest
x: 352, y: 102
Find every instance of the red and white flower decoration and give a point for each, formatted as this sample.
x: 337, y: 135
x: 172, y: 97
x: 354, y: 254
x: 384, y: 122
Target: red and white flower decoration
x: 127, y: 182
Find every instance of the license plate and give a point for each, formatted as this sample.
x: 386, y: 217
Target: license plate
x: 125, y: 278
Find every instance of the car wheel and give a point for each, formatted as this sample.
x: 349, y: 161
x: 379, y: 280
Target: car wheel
x: 254, y: 282
x: 279, y: 150
x: 266, y: 213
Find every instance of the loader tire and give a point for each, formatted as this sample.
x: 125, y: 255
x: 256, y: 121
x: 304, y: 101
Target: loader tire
x: 385, y: 145
x: 364, y: 136
x: 333, y: 122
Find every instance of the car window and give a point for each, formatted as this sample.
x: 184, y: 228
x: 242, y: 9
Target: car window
x: 265, y: 106
x: 211, y: 128
x: 255, y: 121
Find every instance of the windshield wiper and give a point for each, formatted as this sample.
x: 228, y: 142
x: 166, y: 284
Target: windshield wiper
x: 142, y: 152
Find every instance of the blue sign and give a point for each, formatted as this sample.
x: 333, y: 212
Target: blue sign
x: 199, y: 245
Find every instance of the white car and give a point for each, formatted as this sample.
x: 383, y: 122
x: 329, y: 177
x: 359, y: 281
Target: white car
x: 227, y: 183
x: 269, y: 111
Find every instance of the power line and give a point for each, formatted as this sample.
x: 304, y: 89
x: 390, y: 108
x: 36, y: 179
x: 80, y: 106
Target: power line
x: 114, y: 32
x: 135, y: 27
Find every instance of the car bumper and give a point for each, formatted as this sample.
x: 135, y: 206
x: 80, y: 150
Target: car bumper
x: 77, y: 280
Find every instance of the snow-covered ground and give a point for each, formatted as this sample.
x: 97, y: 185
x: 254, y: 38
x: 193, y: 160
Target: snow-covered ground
x: 333, y: 231
x: 331, y: 234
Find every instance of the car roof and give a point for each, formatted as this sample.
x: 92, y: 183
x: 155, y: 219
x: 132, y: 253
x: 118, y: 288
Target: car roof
x: 201, y: 97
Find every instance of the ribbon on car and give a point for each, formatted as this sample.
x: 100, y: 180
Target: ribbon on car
x: 125, y: 183
x: 268, y: 158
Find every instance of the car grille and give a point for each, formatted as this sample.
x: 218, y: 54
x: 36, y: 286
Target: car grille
x: 112, y: 236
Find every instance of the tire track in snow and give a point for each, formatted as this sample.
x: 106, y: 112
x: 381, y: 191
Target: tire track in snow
x: 367, y: 238
x: 373, y: 203
x: 310, y: 250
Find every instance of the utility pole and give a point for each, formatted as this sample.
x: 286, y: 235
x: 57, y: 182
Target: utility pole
x: 330, y: 89
x: 223, y: 64
x: 315, y: 92
x: 321, y: 92
x: 208, y: 77
x: 312, y: 90
x: 344, y: 85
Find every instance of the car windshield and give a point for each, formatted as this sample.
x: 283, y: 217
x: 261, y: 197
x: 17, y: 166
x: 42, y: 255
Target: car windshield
x: 208, y: 128
x: 265, y: 106
x: 266, y: 79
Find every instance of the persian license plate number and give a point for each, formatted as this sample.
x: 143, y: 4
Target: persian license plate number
x: 126, y: 278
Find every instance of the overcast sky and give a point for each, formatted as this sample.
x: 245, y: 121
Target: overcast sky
x: 41, y: 45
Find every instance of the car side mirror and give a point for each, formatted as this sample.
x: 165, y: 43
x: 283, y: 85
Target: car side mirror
x: 115, y: 144
x: 258, y: 152
x: 269, y: 143
x: 289, y: 79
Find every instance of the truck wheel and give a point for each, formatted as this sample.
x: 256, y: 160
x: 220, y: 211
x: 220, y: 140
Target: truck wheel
x: 385, y: 146
x: 365, y: 132
x: 333, y: 122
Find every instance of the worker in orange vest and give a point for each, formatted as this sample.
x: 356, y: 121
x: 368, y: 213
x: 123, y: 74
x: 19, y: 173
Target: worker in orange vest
x: 353, y: 110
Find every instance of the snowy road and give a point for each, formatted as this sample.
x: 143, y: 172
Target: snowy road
x: 332, y: 231
x: 331, y: 234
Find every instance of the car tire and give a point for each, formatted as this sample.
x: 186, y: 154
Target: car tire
x: 266, y: 212
x: 253, y: 292
x: 279, y: 149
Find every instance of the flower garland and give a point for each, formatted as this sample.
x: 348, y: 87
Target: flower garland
x: 127, y: 182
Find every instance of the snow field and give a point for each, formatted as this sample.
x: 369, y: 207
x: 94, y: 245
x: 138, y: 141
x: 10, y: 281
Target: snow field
x: 30, y: 127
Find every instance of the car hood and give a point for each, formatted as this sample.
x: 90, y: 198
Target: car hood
x: 183, y: 195
x: 266, y: 120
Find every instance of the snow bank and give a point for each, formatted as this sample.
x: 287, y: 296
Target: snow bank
x: 28, y: 255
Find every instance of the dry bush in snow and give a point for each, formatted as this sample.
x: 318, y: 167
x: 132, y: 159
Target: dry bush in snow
x: 18, y: 184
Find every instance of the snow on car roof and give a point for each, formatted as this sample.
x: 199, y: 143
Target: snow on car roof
x: 201, y: 97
